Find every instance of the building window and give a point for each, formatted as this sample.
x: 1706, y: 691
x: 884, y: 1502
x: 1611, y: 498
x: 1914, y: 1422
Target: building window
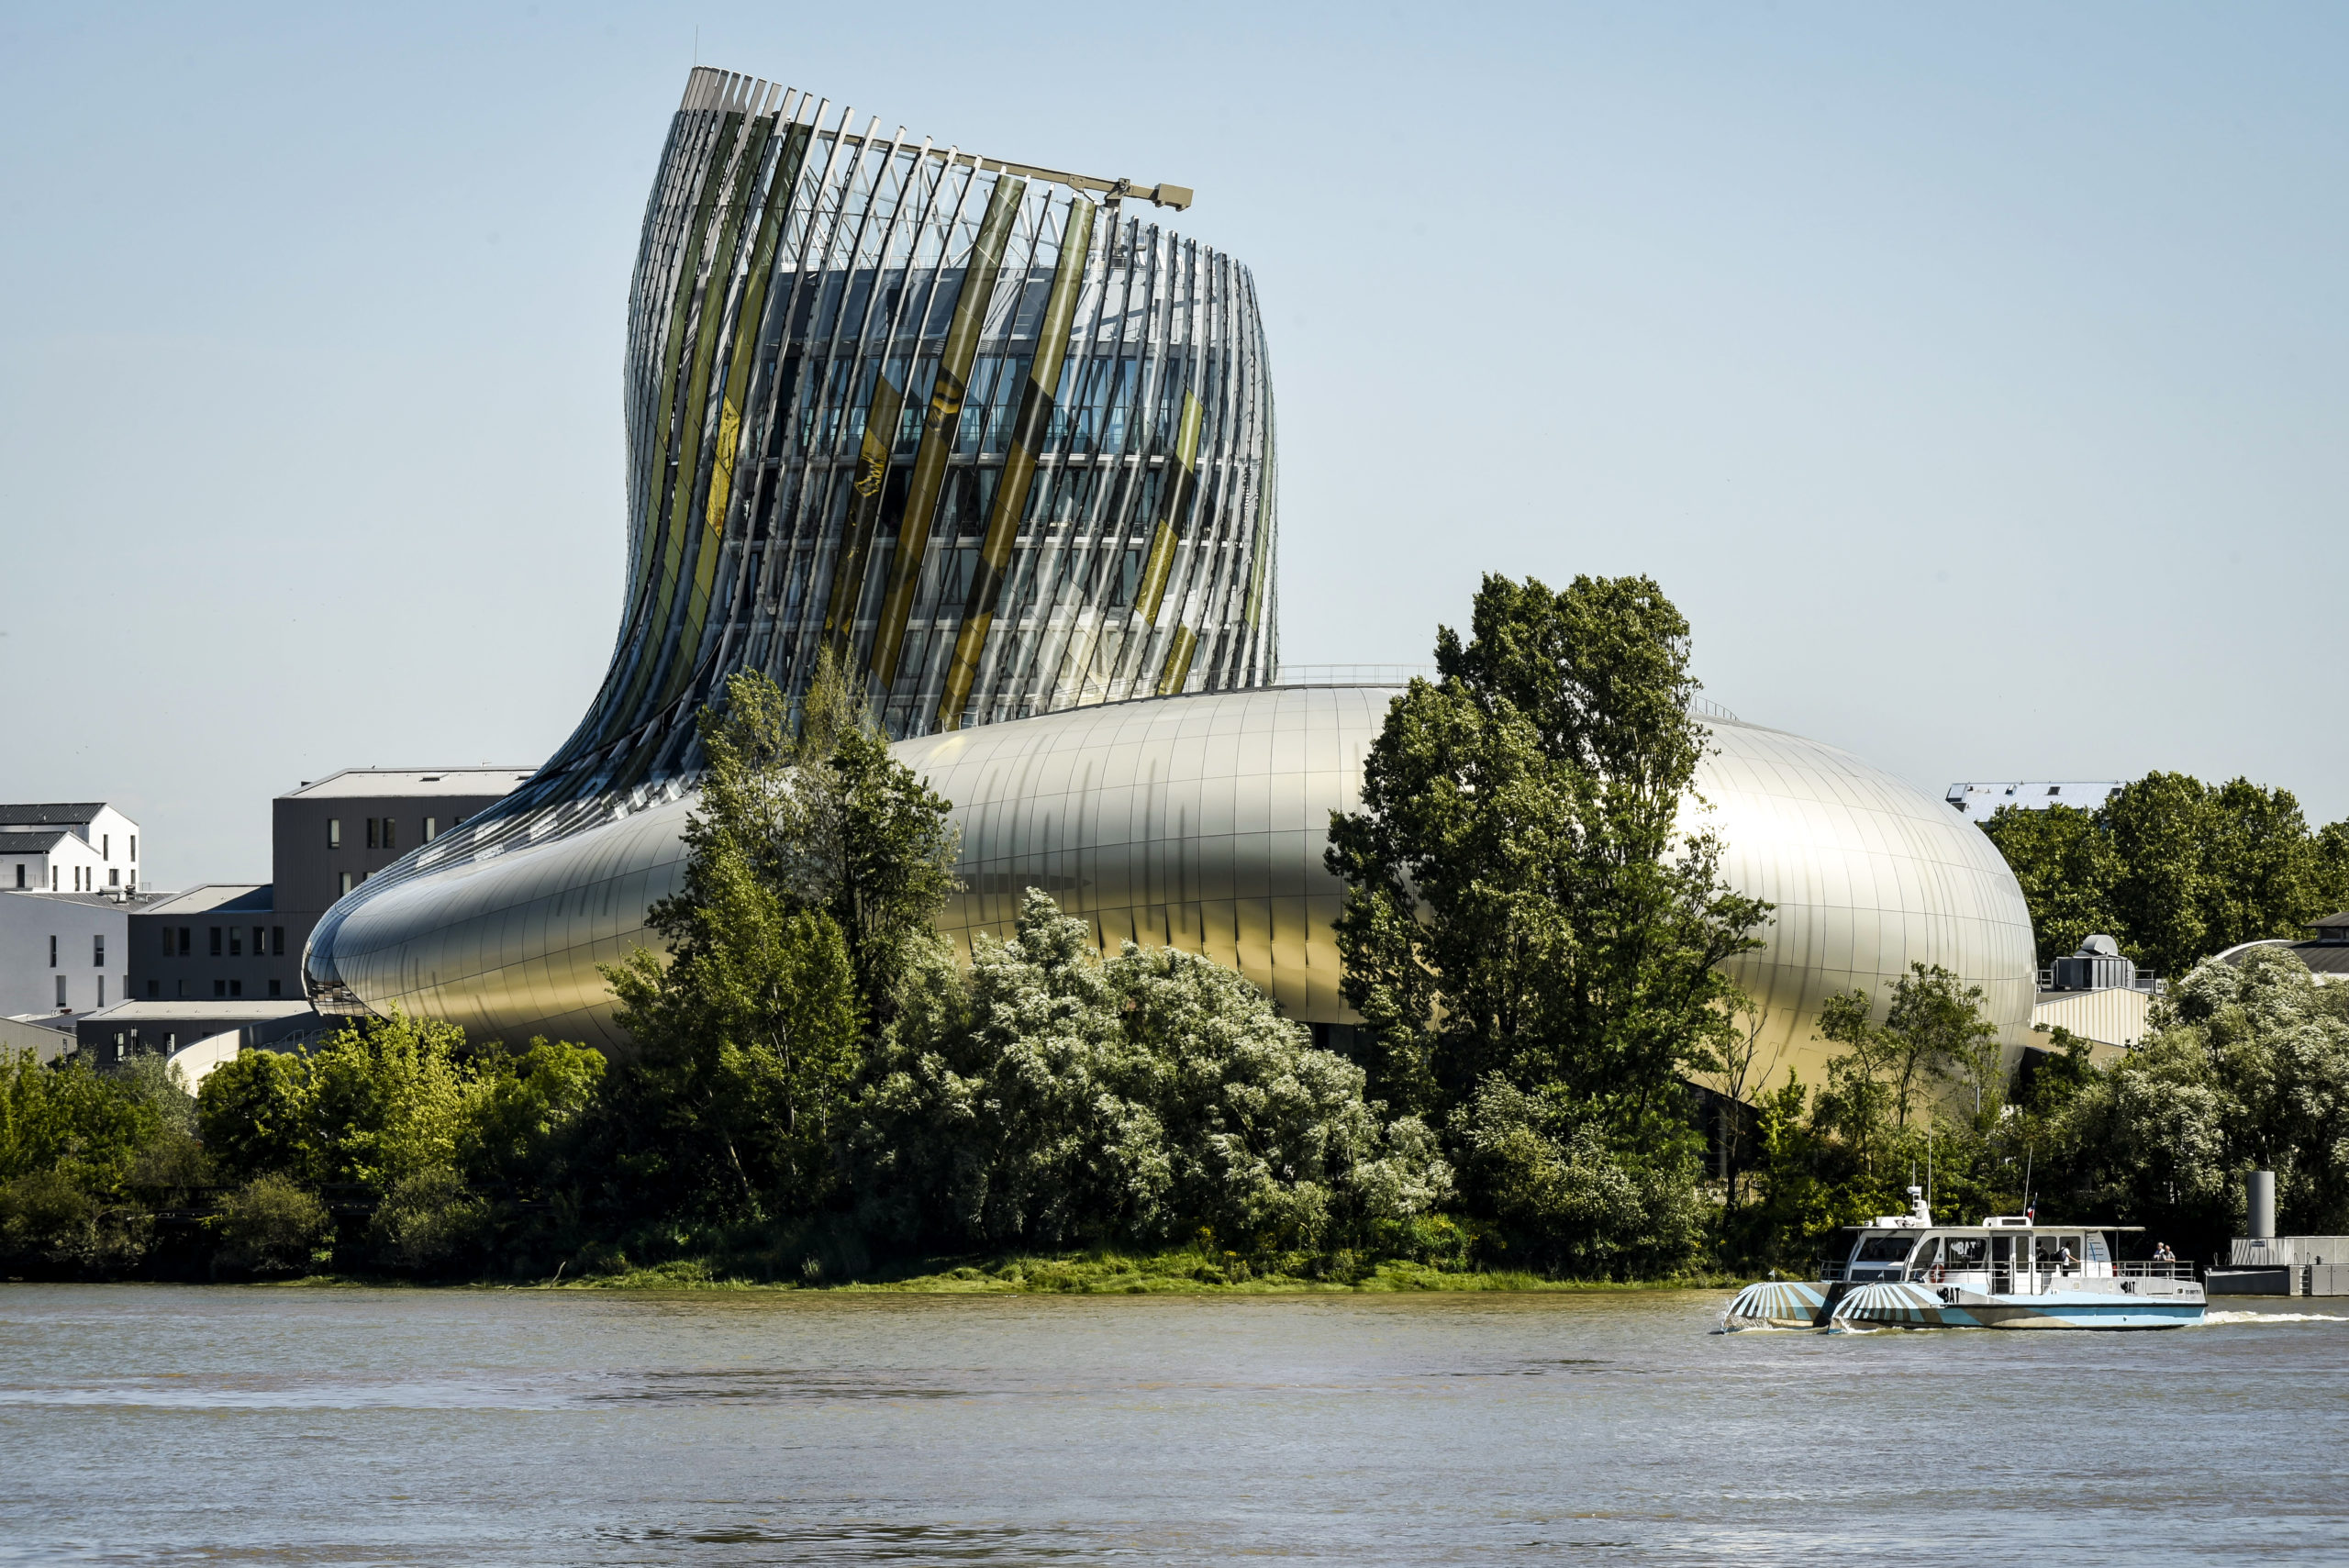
x: 391, y: 834
x: 277, y: 942
x: 219, y: 988
x: 258, y: 946
x: 21, y: 874
x: 61, y: 993
x: 98, y: 951
x: 167, y: 940
x: 154, y: 988
x: 346, y: 881
x: 371, y: 832
x: 53, y: 952
x: 215, y: 941
x: 235, y: 988
x: 431, y: 829
x: 134, y: 847
x: 236, y: 941
x: 334, y: 832
x: 182, y: 942
x: 182, y: 990
x: 277, y: 987
x: 52, y: 879
x: 114, y: 876
x: 102, y: 990
x: 106, y: 843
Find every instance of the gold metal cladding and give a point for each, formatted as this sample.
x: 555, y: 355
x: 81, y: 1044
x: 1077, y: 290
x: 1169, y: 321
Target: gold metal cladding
x: 1028, y: 436
x: 1262, y: 545
x: 691, y: 420
x: 1199, y: 822
x: 867, y: 492
x: 1177, y: 668
x: 741, y: 356
x: 643, y: 598
x: 1180, y: 484
x: 940, y: 427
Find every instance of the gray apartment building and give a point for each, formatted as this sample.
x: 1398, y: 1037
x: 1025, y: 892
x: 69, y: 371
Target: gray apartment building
x: 242, y: 941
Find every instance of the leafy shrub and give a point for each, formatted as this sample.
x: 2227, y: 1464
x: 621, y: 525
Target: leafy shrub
x: 431, y: 1220
x: 1143, y: 1098
x: 272, y: 1226
x: 1548, y: 1172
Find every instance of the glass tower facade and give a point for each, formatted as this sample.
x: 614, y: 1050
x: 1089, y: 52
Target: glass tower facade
x: 1000, y: 446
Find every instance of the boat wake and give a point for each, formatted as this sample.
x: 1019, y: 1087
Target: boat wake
x: 2215, y: 1319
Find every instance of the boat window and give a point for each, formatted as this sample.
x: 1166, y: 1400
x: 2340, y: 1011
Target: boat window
x: 1927, y: 1255
x: 2049, y: 1250
x: 1884, y: 1248
x: 1967, y: 1251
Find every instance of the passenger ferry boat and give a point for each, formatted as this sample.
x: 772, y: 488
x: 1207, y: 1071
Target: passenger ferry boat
x: 2009, y: 1271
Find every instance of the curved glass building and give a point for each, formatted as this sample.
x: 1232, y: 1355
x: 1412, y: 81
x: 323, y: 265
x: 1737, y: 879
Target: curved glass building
x: 1001, y: 443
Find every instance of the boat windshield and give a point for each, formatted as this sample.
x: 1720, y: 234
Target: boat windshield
x: 1884, y: 1248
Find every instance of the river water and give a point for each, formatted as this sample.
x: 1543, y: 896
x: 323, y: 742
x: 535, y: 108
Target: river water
x: 348, y: 1427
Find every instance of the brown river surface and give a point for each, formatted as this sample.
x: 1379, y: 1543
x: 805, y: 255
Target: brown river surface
x: 170, y: 1425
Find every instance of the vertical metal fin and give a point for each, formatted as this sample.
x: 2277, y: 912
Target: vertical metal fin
x: 1028, y: 435
x: 742, y: 358
x: 1177, y: 668
x: 870, y: 484
x: 939, y: 427
x: 1180, y: 485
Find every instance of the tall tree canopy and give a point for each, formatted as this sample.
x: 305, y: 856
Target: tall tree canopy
x: 814, y: 863
x: 1523, y: 896
x: 2173, y: 869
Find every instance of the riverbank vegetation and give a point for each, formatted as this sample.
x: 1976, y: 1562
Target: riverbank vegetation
x: 1554, y: 1083
x: 2174, y: 870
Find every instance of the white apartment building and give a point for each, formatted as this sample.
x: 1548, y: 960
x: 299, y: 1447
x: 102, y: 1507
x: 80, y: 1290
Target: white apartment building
x: 68, y: 847
x: 64, y: 953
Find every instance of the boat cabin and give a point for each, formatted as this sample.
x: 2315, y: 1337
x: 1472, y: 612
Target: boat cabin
x: 2007, y: 1254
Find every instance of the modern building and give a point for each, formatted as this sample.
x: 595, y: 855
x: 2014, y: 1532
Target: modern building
x: 1009, y: 453
x: 240, y: 941
x: 65, y: 953
x: 68, y: 847
x: 213, y: 942
x: 2098, y: 995
x: 113, y: 1035
x: 2326, y: 954
x: 1980, y: 801
x: 995, y: 440
x: 1199, y: 822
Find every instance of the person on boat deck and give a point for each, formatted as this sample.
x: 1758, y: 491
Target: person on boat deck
x: 2064, y: 1259
x: 2162, y: 1255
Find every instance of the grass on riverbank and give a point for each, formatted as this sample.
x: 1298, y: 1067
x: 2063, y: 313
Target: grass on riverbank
x: 1116, y: 1274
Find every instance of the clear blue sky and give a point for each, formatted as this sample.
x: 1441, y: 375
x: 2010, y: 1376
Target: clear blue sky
x: 1972, y: 376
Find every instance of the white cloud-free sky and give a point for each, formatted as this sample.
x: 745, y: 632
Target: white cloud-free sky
x: 1973, y: 377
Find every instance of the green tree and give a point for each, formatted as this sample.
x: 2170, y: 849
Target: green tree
x: 1140, y: 1099
x: 1937, y: 1031
x: 71, y: 1140
x: 1524, y: 896
x: 2176, y: 869
x: 2329, y: 851
x: 815, y: 863
x: 2065, y: 859
x: 273, y: 1224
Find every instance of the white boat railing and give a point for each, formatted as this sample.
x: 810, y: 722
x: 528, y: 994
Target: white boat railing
x: 2001, y: 1279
